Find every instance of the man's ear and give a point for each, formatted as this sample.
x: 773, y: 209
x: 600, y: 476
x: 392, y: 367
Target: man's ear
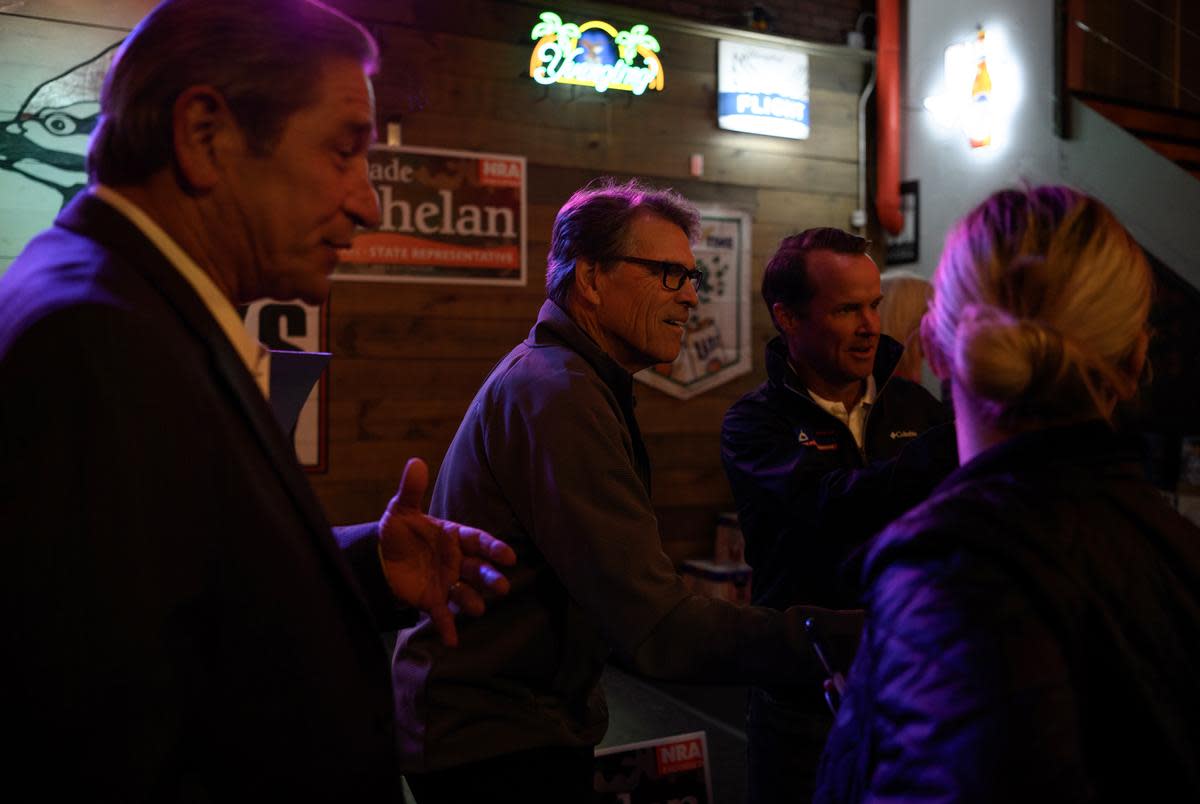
x: 587, y: 273
x: 785, y: 318
x: 201, y: 124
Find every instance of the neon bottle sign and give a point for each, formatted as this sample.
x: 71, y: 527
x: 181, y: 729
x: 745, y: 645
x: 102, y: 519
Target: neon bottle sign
x: 595, y: 54
x: 969, y: 100
x: 979, y: 120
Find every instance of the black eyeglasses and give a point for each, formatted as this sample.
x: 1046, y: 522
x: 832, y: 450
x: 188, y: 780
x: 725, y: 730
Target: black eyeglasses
x: 673, y: 274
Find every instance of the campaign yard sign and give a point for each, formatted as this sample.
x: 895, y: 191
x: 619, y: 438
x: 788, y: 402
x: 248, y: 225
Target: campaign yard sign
x: 669, y: 770
x: 446, y: 216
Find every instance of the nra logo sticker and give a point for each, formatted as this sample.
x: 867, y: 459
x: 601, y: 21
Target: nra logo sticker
x: 680, y: 756
x: 666, y: 770
x: 500, y: 172
x: 822, y: 440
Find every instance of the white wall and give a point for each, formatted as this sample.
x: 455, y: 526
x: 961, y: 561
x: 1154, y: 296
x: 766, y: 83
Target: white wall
x: 1157, y: 201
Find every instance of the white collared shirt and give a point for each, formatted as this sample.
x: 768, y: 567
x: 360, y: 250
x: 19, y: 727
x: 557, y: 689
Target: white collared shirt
x: 253, y: 354
x: 855, y: 419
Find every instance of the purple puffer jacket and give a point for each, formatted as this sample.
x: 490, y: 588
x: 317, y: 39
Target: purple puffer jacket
x: 1033, y: 634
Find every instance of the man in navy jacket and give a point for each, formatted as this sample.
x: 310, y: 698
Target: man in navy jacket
x: 819, y: 458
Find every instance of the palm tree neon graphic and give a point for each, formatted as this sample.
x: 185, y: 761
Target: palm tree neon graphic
x: 636, y: 37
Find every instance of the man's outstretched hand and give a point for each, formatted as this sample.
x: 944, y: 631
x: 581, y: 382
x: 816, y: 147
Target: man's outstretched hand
x: 430, y: 563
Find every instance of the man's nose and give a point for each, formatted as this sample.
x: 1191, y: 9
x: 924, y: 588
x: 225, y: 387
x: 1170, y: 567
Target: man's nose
x: 362, y: 204
x: 869, y: 322
x: 688, y: 295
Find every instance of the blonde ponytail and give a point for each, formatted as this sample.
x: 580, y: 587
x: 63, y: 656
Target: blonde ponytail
x: 1040, y: 299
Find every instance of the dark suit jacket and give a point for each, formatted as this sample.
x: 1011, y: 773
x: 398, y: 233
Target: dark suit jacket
x: 181, y: 623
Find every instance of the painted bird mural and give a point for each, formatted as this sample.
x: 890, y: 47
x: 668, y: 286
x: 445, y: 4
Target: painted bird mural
x: 47, y: 140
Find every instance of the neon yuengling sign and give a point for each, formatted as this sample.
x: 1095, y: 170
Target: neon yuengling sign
x: 595, y: 54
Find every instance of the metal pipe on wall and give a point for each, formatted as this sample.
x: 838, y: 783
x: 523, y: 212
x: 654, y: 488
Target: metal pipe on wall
x: 858, y: 219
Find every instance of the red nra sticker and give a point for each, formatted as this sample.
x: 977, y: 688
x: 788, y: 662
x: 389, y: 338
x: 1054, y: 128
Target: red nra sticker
x: 500, y: 172
x: 682, y: 755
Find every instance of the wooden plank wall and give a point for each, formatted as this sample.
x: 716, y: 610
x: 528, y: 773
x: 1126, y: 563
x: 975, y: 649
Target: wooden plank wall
x: 409, y: 357
x: 1140, y: 53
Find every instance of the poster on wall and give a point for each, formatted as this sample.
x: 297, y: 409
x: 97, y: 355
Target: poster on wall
x: 294, y: 326
x: 762, y: 90
x: 49, y: 104
x: 716, y: 340
x: 446, y: 216
x: 905, y: 247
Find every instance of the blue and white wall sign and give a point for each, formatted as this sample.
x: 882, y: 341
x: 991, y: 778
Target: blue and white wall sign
x: 762, y: 90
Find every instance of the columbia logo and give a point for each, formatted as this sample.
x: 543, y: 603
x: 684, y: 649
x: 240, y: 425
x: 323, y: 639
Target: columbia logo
x: 903, y: 434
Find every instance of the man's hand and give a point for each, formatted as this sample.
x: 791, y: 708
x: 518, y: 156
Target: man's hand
x: 831, y: 639
x: 430, y: 563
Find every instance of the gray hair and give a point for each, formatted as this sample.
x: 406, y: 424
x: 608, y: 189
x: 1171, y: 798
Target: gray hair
x: 594, y: 225
x: 264, y: 57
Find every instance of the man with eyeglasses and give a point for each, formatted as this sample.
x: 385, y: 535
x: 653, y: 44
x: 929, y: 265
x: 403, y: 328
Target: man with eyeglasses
x: 549, y: 458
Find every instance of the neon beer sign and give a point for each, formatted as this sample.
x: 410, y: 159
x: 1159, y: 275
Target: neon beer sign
x: 595, y: 54
x: 969, y: 100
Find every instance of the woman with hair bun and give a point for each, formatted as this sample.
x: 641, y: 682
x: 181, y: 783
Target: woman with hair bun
x: 1033, y: 629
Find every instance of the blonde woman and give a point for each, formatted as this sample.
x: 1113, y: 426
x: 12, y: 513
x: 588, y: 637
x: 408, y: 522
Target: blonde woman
x: 1033, y: 629
x: 905, y: 300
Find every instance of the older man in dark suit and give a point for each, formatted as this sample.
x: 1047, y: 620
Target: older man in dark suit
x: 182, y: 621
